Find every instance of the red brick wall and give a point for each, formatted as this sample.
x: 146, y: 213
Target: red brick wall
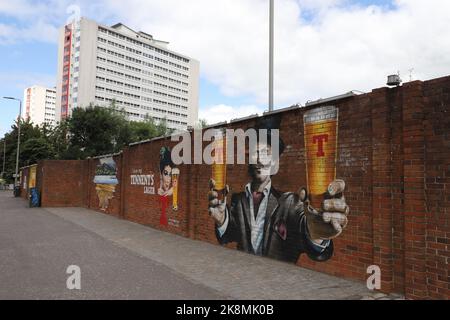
x: 354, y: 249
x: 435, y: 119
x: 393, y: 153
x: 63, y: 183
x: 144, y: 159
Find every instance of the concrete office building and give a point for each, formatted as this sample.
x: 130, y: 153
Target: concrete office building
x: 100, y: 64
x: 39, y: 105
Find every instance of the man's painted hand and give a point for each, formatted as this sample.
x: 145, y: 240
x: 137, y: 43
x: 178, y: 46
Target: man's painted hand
x: 331, y: 221
x: 216, y: 206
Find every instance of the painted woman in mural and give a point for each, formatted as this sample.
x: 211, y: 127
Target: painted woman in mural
x: 265, y: 221
x: 165, y: 189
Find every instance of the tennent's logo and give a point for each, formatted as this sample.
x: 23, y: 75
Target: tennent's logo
x: 319, y: 140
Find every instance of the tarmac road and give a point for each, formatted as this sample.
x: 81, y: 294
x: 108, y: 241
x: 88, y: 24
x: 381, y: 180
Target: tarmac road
x: 36, y: 248
x: 120, y: 259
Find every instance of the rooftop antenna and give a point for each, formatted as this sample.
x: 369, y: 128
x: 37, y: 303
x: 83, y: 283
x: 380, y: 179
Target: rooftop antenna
x: 410, y: 74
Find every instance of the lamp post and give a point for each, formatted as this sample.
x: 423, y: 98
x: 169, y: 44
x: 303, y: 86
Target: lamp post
x: 18, y: 138
x: 271, y: 23
x: 4, y: 156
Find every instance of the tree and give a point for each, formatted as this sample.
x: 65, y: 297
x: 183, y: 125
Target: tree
x: 202, y: 123
x: 90, y: 131
x: 58, y: 136
x: 99, y: 130
x: 143, y: 130
x: 162, y: 129
x: 95, y: 131
x: 36, y: 149
x: 28, y: 131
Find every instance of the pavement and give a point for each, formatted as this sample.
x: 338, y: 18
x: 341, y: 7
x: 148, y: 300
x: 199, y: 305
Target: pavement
x: 120, y: 259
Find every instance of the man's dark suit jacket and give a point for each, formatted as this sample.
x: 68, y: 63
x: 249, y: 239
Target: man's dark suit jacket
x: 285, y: 234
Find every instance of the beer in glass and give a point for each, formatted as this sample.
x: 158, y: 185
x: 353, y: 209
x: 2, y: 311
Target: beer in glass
x: 321, y: 132
x: 175, y: 175
x: 219, y: 166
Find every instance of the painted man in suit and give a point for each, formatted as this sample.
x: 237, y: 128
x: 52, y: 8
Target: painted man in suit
x: 265, y: 221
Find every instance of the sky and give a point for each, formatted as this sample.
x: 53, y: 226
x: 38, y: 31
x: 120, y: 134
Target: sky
x: 323, y: 48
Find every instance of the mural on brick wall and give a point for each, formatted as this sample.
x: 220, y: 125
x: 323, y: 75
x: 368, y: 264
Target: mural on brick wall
x: 105, y: 181
x: 264, y: 220
x: 32, y: 175
x: 139, y: 178
x: 168, y: 187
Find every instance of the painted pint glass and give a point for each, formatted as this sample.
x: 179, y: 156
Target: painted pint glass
x: 219, y: 166
x: 175, y: 176
x: 321, y: 132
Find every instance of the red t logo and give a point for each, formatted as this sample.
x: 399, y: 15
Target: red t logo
x: 320, y: 139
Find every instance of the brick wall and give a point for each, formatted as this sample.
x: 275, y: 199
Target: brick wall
x: 393, y: 153
x: 435, y: 119
x: 144, y: 206
x: 63, y: 183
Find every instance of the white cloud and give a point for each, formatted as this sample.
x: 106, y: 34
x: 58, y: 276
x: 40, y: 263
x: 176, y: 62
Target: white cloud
x: 341, y: 47
x: 39, y: 31
x: 30, y: 21
x: 319, y: 5
x: 222, y: 112
x: 19, y: 8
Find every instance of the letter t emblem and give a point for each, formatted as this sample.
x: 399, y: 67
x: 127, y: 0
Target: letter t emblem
x: 320, y: 139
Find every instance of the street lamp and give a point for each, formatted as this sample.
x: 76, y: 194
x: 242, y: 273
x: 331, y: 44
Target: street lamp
x: 271, y: 32
x: 18, y: 138
x: 4, y: 156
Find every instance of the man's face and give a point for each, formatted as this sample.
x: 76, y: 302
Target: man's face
x: 260, y: 163
x: 166, y: 177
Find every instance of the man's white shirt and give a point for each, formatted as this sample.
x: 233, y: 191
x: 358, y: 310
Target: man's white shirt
x: 257, y: 224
